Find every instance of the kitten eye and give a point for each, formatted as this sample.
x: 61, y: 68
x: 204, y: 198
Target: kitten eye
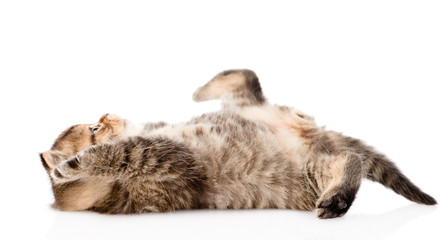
x: 94, y: 129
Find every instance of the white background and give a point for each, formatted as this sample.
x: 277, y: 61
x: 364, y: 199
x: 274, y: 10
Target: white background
x: 369, y: 69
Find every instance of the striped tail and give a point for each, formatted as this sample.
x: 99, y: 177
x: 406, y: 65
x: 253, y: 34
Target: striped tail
x: 237, y: 87
x: 385, y: 172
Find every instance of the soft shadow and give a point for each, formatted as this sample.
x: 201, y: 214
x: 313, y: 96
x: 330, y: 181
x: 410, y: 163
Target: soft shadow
x: 216, y: 224
x: 365, y: 226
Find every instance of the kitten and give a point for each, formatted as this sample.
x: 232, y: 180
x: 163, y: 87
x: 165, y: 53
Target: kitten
x: 250, y: 154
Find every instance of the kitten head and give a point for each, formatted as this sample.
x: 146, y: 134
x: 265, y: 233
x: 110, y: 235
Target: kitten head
x: 79, y: 137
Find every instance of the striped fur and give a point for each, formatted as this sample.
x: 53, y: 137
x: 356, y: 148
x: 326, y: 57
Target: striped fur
x: 251, y: 154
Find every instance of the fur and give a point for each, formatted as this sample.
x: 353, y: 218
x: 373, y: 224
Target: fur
x: 251, y: 154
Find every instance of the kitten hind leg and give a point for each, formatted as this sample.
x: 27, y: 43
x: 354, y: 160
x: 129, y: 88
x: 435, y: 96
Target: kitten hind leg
x: 340, y: 186
x: 233, y: 87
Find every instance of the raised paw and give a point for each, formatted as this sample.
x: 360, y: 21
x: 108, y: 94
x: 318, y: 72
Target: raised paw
x: 334, y: 206
x: 67, y: 171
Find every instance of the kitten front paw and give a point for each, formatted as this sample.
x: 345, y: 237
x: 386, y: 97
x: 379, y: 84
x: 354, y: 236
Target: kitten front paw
x: 334, y: 206
x: 67, y: 171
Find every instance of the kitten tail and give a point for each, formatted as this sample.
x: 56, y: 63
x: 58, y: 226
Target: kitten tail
x: 385, y: 172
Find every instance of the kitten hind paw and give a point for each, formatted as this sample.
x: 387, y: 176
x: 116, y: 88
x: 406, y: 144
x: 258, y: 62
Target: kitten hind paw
x: 334, y: 206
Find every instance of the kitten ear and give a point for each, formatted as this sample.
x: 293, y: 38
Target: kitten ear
x: 103, y: 117
x: 43, y: 161
x: 50, y: 159
x: 242, y: 85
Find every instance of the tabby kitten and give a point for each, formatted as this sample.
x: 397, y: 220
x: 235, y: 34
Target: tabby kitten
x: 250, y: 154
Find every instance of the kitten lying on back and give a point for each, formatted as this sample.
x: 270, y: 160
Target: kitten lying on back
x: 251, y: 154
